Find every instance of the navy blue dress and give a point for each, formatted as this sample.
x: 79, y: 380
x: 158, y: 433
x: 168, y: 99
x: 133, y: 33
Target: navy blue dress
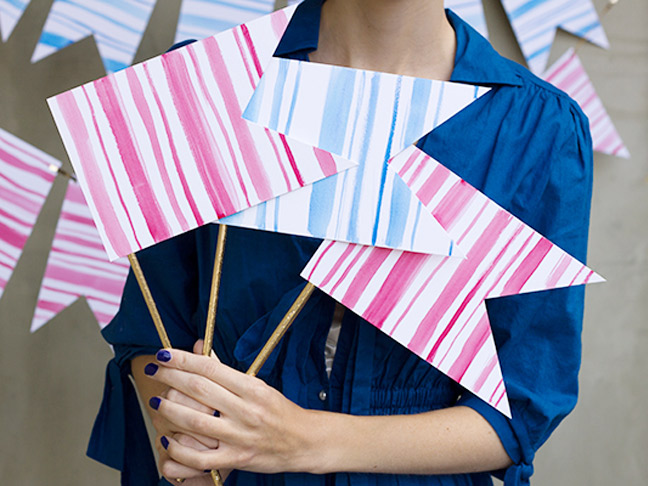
x: 524, y: 144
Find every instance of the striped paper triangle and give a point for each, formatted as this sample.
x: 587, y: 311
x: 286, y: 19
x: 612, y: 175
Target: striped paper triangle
x: 78, y: 266
x: 535, y: 23
x: 568, y: 74
x: 435, y: 305
x: 26, y: 177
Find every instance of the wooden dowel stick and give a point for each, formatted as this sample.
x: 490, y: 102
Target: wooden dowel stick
x: 157, y: 320
x: 281, y: 329
x: 148, y: 298
x: 211, y: 312
x: 213, y: 295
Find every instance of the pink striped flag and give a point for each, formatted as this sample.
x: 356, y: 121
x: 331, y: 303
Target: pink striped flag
x: 568, y: 74
x: 26, y: 178
x: 434, y: 305
x: 78, y: 266
x: 160, y: 148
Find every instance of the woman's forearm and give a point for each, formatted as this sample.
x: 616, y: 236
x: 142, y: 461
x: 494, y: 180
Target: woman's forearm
x: 448, y: 441
x: 260, y: 430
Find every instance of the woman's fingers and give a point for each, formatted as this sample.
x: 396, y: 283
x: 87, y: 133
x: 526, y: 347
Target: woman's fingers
x: 210, y: 394
x: 206, y: 428
x: 197, y: 460
x: 229, y: 378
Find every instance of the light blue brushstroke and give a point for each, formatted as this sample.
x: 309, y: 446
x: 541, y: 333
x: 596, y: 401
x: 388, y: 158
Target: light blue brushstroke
x: 371, y: 118
x: 337, y: 106
x: 293, y: 103
x: 416, y: 119
x: 383, y: 175
x: 277, y: 99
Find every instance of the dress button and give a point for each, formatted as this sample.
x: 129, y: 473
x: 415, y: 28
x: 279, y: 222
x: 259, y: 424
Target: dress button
x: 323, y: 395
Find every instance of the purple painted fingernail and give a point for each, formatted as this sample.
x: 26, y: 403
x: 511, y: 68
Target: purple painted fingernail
x: 165, y: 442
x: 216, y: 413
x: 163, y: 355
x: 150, y: 369
x: 207, y: 470
x: 154, y: 403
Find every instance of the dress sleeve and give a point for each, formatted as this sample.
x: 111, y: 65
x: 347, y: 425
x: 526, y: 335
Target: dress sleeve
x: 538, y: 335
x: 119, y: 438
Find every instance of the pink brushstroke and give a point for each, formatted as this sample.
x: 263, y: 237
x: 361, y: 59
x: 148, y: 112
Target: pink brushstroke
x: 444, y: 318
x: 568, y: 74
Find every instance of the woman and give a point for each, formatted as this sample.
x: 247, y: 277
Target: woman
x: 379, y: 415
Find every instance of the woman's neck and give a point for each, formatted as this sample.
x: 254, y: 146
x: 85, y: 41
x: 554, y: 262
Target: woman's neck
x: 411, y: 37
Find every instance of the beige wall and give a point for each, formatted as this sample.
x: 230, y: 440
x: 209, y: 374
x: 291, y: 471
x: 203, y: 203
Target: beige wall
x: 51, y: 382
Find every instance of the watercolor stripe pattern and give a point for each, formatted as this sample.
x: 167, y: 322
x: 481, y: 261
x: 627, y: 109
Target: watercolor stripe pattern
x: 117, y: 26
x: 364, y: 116
x: 25, y: 181
x: 568, y: 74
x: 160, y: 148
x: 10, y: 13
x: 204, y: 18
x: 434, y: 305
x: 77, y: 266
x: 535, y: 22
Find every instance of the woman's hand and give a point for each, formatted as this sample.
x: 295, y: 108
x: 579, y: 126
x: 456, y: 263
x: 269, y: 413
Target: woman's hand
x: 256, y: 427
x: 142, y: 368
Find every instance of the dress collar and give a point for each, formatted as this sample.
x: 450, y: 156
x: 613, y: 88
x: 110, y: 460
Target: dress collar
x: 476, y: 62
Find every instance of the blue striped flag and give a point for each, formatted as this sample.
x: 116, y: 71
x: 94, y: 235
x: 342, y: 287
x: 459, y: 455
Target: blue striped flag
x: 535, y: 22
x: 204, y: 18
x: 364, y: 116
x: 10, y: 13
x: 117, y: 26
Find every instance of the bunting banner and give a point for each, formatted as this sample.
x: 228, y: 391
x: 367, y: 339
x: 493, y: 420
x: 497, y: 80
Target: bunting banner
x: 26, y: 177
x: 568, y: 74
x: 161, y: 148
x: 366, y: 117
x: 117, y: 26
x: 204, y: 18
x: 10, y: 13
x: 535, y: 23
x: 78, y: 267
x: 434, y: 305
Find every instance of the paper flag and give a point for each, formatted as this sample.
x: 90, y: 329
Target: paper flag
x: 160, y: 148
x: 10, y: 13
x: 568, y: 74
x: 364, y: 116
x: 434, y: 305
x: 117, y: 27
x: 535, y: 22
x: 25, y: 181
x: 472, y: 11
x: 204, y: 18
x: 77, y: 266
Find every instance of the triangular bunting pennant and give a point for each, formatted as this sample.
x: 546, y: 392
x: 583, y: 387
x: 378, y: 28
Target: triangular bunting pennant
x: 203, y: 18
x: 10, y: 13
x: 535, y: 23
x: 78, y: 267
x: 568, y: 74
x: 116, y: 26
x: 434, y: 305
x: 26, y: 177
x: 160, y: 148
x: 364, y: 116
